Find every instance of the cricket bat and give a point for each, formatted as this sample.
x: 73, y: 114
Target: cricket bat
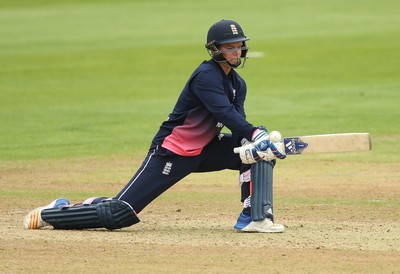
x: 341, y: 142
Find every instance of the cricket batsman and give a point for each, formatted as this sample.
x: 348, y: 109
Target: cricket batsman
x: 190, y: 140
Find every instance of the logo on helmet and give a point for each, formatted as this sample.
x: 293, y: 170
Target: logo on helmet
x: 234, y: 29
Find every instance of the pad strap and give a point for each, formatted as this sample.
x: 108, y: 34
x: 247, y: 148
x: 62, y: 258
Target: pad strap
x: 262, y: 196
x: 110, y: 214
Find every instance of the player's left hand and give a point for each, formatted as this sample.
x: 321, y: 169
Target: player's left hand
x: 261, y: 139
x: 277, y: 145
x: 278, y: 149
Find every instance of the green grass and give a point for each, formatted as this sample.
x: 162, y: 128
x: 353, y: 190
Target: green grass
x: 98, y: 77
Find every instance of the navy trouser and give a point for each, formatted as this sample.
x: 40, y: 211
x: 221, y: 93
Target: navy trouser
x: 162, y: 168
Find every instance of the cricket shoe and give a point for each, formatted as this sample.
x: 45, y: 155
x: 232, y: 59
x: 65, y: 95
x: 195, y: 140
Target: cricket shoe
x: 34, y: 219
x: 245, y: 224
x: 243, y: 221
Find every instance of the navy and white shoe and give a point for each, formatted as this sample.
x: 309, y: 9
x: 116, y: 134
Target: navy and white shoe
x: 34, y: 219
x: 245, y: 224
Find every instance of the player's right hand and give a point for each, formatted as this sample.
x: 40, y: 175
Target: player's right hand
x: 248, y: 153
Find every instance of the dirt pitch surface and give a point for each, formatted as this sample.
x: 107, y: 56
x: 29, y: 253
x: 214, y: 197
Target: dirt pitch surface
x: 340, y: 217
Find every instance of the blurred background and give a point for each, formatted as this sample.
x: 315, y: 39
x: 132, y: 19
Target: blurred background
x: 98, y: 77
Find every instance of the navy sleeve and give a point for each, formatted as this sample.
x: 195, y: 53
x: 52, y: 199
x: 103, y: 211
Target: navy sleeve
x: 209, y: 88
x: 239, y: 100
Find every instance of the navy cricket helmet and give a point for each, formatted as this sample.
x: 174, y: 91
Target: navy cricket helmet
x: 224, y: 32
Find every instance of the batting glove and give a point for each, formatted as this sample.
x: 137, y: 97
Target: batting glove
x: 248, y: 154
x: 260, y: 139
x: 266, y: 155
x: 278, y: 149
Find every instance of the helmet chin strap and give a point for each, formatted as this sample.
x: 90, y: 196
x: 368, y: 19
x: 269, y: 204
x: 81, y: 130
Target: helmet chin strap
x: 236, y: 65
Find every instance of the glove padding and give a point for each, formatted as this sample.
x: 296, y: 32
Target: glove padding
x: 275, y: 150
x: 266, y: 155
x: 261, y: 140
x: 261, y: 148
x: 248, y: 154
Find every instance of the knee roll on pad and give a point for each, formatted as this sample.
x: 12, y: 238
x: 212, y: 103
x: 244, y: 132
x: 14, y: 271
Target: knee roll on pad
x: 115, y: 214
x: 111, y: 214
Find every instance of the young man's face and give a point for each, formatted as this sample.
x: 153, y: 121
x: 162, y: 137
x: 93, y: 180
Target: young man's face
x: 232, y: 52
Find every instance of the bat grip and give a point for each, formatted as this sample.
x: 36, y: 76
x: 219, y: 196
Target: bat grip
x: 236, y: 150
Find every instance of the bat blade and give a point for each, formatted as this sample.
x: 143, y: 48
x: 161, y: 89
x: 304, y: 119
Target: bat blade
x: 341, y: 142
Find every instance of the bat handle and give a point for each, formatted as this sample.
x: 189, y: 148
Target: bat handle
x: 236, y: 150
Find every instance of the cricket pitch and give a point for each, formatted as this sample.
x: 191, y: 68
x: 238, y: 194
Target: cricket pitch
x: 340, y: 217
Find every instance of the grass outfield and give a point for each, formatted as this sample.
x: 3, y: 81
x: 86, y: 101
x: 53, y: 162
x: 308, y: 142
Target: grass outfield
x: 97, y: 78
x: 84, y: 86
